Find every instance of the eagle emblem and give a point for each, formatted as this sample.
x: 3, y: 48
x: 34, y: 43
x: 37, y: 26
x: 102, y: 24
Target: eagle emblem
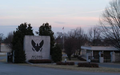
x: 37, y: 46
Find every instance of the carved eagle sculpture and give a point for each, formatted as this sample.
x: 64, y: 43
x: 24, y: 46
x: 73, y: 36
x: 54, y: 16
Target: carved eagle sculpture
x: 37, y: 46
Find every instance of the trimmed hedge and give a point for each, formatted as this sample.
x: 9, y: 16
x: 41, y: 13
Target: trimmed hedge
x: 88, y: 65
x: 65, y: 63
x: 40, y: 61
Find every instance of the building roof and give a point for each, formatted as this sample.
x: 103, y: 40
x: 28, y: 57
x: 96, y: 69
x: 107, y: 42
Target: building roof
x: 97, y: 48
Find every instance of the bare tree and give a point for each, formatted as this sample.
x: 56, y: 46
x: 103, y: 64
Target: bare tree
x: 94, y: 36
x: 107, y: 42
x: 8, y: 39
x: 81, y: 38
x: 1, y: 37
x: 74, y: 40
x: 59, y: 39
x: 110, y: 23
x: 70, y: 44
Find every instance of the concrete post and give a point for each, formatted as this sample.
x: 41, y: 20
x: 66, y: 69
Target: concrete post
x: 87, y: 57
x: 13, y: 56
x: 7, y: 57
x: 112, y: 56
x: 92, y: 55
x: 0, y: 45
x: 101, y: 58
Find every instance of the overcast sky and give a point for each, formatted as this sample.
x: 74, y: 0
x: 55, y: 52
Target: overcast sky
x: 69, y: 14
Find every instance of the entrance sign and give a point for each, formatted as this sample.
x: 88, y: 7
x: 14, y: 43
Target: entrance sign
x: 37, y: 47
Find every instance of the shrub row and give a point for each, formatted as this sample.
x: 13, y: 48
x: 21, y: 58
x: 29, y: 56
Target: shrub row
x: 65, y: 63
x: 40, y: 61
x: 88, y: 65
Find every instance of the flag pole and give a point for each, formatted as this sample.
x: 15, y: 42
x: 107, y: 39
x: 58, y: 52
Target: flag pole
x: 63, y: 38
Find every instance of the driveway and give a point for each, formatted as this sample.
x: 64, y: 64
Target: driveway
x: 14, y: 69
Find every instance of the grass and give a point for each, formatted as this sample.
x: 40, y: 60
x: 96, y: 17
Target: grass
x: 101, y: 69
x: 2, y: 55
x: 3, y: 60
x: 74, y: 67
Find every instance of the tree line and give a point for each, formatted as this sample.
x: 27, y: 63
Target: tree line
x: 73, y: 39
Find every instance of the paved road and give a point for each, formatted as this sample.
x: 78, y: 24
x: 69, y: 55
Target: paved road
x: 12, y: 69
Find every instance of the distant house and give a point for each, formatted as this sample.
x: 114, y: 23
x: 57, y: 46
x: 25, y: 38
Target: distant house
x: 100, y: 53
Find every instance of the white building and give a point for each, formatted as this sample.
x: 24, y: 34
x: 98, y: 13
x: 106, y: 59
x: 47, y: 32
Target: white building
x: 100, y: 53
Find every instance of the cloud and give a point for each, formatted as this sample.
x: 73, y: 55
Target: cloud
x: 58, y: 22
x: 8, y: 25
x: 95, y: 11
